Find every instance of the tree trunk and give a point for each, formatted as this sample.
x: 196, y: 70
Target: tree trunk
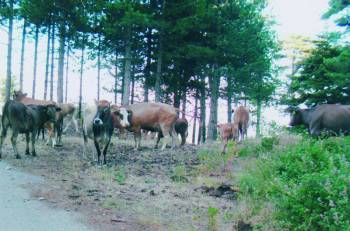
x: 258, y: 118
x: 52, y: 60
x: 35, y: 60
x: 67, y: 69
x: 116, y: 78
x: 158, y: 93
x: 99, y: 67
x: 127, y: 71
x: 47, y: 61
x: 9, y: 54
x: 195, y: 114
x: 184, y: 99
x: 229, y: 98
x: 133, y: 85
x: 81, y: 81
x: 202, y: 121
x: 148, y: 65
x: 214, y: 82
x: 24, y: 33
x: 61, y: 51
x: 177, y: 98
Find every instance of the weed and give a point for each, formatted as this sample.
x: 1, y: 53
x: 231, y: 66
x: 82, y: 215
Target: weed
x: 212, y: 216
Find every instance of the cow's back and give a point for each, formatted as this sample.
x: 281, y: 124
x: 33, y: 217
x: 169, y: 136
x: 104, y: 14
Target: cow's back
x: 331, y: 117
x: 241, y: 115
x: 149, y: 114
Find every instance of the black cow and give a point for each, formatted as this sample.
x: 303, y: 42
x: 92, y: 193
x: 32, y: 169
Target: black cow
x: 25, y: 119
x: 330, y: 118
x: 101, y: 129
x: 181, y: 128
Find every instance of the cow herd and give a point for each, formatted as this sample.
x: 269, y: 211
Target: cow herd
x: 29, y: 116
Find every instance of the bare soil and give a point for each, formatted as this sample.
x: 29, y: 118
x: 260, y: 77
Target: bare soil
x: 147, y: 189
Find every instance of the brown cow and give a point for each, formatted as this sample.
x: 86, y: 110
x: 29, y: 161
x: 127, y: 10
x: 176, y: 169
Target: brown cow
x: 241, y: 119
x: 22, y: 97
x: 155, y: 117
x: 67, y: 111
x: 227, y: 132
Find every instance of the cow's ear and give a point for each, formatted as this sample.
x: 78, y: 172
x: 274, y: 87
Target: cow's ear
x: 233, y: 110
x: 115, y: 110
x: 129, y: 112
x: 58, y: 109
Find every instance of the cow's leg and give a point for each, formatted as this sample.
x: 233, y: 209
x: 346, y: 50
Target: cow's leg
x: 166, y: 134
x: 59, y: 126
x: 98, y: 150
x: 14, y: 144
x: 27, y: 143
x: 183, y: 138
x: 105, y: 151
x: 33, y: 142
x: 224, y: 145
x: 159, y: 136
x: 2, y: 137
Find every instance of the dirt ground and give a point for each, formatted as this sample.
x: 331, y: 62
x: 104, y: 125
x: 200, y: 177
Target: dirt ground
x: 147, y: 189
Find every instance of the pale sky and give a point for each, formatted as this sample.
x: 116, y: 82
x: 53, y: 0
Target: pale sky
x: 301, y: 17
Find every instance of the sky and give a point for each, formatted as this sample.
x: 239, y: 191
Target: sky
x: 293, y: 17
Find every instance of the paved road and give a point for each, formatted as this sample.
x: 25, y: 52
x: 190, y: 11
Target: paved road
x: 20, y: 212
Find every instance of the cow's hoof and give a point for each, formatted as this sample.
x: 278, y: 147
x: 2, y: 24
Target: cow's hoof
x: 18, y: 157
x: 34, y: 154
x: 58, y: 145
x: 27, y: 152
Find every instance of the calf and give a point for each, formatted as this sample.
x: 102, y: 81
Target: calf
x: 22, y: 97
x: 227, y: 132
x: 99, y: 127
x: 155, y: 117
x: 25, y: 119
x: 241, y: 119
x: 181, y: 128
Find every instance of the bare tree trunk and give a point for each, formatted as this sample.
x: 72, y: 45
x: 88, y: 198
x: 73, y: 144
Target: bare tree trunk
x: 81, y: 81
x: 35, y: 60
x: 202, y: 121
x: 157, y: 86
x: 148, y: 65
x: 133, y: 85
x: 47, y: 61
x: 98, y: 67
x: 61, y: 51
x: 126, y: 85
x: 24, y: 33
x: 184, y: 99
x: 116, y: 78
x: 52, y: 60
x: 258, y: 117
x: 67, y: 69
x: 229, y: 98
x: 214, y: 82
x: 9, y: 54
x: 195, y: 115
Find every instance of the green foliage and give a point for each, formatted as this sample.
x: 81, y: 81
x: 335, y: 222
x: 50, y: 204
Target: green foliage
x: 324, y: 76
x: 120, y: 175
x: 212, y: 216
x: 179, y: 174
x: 336, y: 6
x: 14, y: 86
x: 307, y: 183
x: 253, y: 148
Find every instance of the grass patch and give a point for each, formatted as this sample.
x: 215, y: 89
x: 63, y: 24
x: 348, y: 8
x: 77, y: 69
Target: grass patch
x: 306, y: 184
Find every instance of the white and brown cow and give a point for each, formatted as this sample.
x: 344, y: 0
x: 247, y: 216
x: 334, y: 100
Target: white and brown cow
x: 155, y: 117
x: 67, y: 112
x: 241, y: 119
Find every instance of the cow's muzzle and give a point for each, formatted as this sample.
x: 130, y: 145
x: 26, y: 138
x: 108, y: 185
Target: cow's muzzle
x: 97, y: 121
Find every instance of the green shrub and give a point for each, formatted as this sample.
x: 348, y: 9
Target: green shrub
x: 308, y: 183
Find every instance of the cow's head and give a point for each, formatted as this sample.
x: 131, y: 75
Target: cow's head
x: 103, y: 112
x: 50, y: 111
x: 18, y: 95
x: 123, y: 114
x: 296, y: 116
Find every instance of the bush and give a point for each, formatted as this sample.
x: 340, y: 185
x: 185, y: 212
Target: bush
x: 307, y: 183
